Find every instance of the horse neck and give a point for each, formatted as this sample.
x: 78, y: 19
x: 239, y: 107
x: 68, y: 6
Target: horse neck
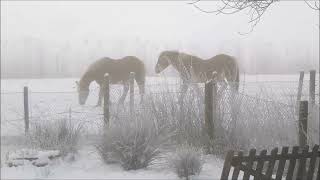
x: 86, y: 79
x: 179, y: 64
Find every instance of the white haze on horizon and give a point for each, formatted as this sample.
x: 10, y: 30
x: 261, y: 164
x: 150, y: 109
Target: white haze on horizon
x: 75, y: 34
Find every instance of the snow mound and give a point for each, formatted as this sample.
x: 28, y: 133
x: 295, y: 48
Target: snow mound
x: 31, y: 156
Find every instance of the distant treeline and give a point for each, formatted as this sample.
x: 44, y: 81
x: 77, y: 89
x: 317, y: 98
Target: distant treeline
x: 35, y: 58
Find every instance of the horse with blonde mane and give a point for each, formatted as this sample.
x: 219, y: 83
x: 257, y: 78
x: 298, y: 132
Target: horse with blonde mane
x: 119, y: 72
x: 193, y: 69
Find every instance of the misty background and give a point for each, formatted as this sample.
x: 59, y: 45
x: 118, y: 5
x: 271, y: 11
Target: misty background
x: 60, y: 39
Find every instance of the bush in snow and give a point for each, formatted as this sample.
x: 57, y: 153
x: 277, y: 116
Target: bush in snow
x: 58, y: 135
x: 188, y: 125
x: 187, y: 161
x: 133, y: 144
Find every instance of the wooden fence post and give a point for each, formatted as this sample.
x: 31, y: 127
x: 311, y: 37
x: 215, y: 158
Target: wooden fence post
x: 214, y: 104
x: 26, y: 109
x: 106, y: 100
x: 131, y: 86
x: 209, y: 108
x: 299, y: 91
x: 234, y: 111
x: 303, y: 123
x: 312, y: 87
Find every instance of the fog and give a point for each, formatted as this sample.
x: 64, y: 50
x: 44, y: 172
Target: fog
x: 60, y: 39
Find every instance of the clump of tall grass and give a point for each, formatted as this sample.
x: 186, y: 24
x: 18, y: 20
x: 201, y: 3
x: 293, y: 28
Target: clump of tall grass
x: 186, y: 161
x: 241, y: 121
x: 56, y: 135
x: 133, y: 143
x: 185, y: 118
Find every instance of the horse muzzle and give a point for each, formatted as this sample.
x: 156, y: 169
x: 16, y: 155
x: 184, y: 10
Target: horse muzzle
x: 158, y: 69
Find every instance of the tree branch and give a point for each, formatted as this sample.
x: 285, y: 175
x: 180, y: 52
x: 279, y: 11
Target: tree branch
x: 256, y: 8
x: 315, y: 6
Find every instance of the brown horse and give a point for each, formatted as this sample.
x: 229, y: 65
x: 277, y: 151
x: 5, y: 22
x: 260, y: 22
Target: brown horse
x: 194, y: 69
x: 119, y: 72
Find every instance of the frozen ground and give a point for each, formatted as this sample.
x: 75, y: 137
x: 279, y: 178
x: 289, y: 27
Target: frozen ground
x: 52, y: 99
x: 88, y: 165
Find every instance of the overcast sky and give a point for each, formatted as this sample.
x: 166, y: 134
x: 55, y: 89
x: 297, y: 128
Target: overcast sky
x: 164, y: 24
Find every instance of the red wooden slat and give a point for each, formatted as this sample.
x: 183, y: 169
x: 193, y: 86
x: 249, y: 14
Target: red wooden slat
x: 249, y: 164
x: 236, y: 170
x: 271, y: 163
x: 260, y: 164
x: 282, y: 163
x: 292, y: 164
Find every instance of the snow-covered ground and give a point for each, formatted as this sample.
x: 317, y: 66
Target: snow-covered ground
x: 88, y: 165
x: 55, y: 98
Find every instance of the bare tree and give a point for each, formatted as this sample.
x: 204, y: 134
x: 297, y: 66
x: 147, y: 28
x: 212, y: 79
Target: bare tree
x: 315, y: 5
x: 256, y: 8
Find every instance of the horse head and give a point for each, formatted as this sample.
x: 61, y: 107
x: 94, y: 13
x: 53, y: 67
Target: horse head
x: 83, y: 92
x: 165, y: 60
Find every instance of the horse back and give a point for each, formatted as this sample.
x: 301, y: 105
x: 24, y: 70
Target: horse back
x: 118, y: 69
x: 223, y: 63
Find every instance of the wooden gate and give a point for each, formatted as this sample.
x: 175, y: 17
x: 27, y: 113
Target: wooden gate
x: 299, y: 164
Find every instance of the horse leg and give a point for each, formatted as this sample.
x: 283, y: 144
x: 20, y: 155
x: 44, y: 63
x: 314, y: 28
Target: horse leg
x: 100, y: 95
x: 124, y: 93
x: 196, y: 88
x: 101, y: 90
x: 141, y: 91
x: 183, y: 88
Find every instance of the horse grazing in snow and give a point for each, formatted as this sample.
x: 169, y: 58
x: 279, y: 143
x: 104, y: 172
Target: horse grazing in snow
x: 193, y: 69
x: 119, y: 72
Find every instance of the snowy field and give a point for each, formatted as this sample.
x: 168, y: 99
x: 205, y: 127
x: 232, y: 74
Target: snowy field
x: 52, y: 99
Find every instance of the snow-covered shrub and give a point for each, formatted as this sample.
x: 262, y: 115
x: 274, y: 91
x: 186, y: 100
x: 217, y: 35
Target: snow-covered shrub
x: 186, y: 162
x: 134, y: 144
x: 187, y: 121
x: 57, y: 135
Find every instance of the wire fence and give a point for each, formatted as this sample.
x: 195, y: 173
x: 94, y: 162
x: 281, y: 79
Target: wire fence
x: 260, y: 113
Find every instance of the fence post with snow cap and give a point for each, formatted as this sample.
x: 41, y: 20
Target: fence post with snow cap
x: 26, y: 108
x: 312, y: 87
x: 106, y: 100
x: 299, y: 90
x: 209, y: 108
x: 303, y: 123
